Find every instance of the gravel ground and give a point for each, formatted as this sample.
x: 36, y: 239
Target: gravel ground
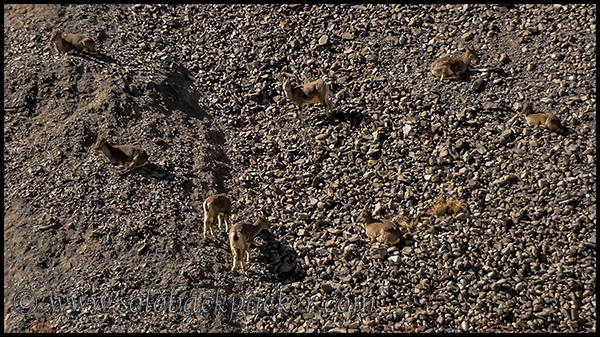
x: 196, y: 87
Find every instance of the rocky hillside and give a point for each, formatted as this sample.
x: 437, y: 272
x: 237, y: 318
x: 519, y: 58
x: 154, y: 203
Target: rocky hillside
x: 196, y: 87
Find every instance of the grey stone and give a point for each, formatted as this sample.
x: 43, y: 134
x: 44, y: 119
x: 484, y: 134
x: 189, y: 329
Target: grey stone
x: 323, y: 40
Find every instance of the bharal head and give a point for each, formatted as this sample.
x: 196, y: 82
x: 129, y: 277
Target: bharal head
x: 527, y: 108
x: 56, y: 33
x: 99, y: 143
x: 286, y: 79
x: 472, y: 54
x: 265, y: 223
x: 262, y: 217
x: 287, y: 85
x: 364, y: 215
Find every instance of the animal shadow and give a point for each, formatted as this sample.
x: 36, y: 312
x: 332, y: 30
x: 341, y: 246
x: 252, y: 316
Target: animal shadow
x: 282, y: 264
x: 354, y: 117
x: 98, y: 58
x: 152, y: 170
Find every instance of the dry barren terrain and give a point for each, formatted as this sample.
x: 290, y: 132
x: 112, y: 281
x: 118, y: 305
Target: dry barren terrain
x: 196, y: 87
